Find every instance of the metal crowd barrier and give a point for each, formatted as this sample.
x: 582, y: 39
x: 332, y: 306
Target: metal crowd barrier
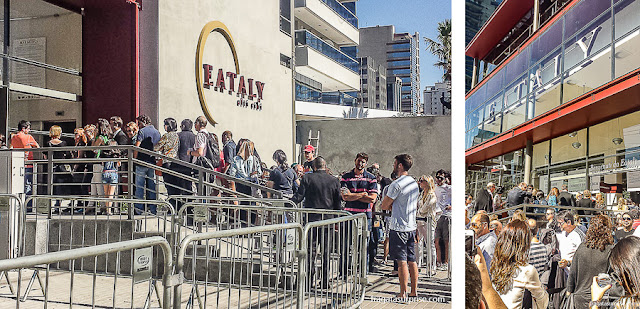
x: 106, y: 290
x: 339, y: 279
x: 246, y: 267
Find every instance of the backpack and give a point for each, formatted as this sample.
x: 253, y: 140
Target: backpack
x: 211, y: 157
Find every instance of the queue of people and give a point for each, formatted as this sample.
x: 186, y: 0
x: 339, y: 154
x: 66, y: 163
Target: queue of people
x: 574, y: 258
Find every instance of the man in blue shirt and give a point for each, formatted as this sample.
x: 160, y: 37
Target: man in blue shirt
x: 147, y: 137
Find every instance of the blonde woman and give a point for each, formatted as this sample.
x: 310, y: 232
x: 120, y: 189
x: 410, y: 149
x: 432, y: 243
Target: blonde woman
x: 622, y: 204
x: 62, y: 172
x: 428, y: 213
x: 600, y: 204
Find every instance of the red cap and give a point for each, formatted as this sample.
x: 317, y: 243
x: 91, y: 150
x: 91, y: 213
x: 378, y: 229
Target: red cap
x: 309, y: 148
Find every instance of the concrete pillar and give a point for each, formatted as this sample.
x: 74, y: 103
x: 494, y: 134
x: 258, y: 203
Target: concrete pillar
x: 474, y: 76
x: 528, y: 160
x: 536, y: 15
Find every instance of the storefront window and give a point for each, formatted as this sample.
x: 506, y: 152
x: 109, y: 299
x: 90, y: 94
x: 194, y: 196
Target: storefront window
x: 46, y: 64
x: 514, y: 115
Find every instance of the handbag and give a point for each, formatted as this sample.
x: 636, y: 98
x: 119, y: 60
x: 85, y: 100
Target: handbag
x: 159, y: 163
x: 567, y: 301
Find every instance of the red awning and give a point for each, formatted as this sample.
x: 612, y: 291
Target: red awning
x: 506, y: 16
x: 615, y: 99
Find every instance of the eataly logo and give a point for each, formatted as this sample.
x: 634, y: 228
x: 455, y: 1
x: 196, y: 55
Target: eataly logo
x: 248, y: 90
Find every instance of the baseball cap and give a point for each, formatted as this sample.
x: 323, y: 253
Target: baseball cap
x: 309, y: 148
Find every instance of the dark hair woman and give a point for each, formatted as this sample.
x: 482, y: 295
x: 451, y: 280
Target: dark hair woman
x: 282, y: 178
x: 625, y: 269
x: 169, y: 145
x: 590, y: 259
x: 511, y: 273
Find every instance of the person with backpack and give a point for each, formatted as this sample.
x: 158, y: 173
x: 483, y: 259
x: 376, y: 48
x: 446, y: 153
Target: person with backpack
x: 205, y: 151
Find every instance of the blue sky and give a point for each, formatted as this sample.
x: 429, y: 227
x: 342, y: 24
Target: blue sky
x: 409, y: 16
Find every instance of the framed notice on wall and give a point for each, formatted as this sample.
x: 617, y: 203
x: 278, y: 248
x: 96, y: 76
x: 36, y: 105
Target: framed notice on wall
x: 34, y: 49
x: 633, y: 181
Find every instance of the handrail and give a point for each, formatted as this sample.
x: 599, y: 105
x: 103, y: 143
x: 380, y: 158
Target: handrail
x: 145, y: 151
x: 73, y: 254
x: 524, y: 207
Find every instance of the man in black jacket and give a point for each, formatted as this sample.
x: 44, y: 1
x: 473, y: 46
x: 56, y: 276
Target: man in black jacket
x: 566, y: 198
x: 319, y: 191
x: 484, y: 198
x: 116, y: 126
x: 518, y: 195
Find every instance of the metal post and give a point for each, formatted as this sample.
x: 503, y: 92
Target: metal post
x: 474, y: 76
x: 4, y: 92
x: 536, y: 16
x: 528, y: 153
x: 131, y: 182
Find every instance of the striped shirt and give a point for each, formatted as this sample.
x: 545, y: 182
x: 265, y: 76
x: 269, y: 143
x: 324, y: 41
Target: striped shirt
x: 538, y: 256
x: 365, y: 182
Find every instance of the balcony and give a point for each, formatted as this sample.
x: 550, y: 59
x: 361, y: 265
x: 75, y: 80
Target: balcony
x: 330, y: 18
x: 320, y: 61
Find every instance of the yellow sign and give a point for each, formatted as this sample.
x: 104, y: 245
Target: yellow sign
x: 214, y: 26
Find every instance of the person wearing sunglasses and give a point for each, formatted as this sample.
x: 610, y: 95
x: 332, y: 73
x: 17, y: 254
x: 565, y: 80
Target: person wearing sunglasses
x: 627, y: 227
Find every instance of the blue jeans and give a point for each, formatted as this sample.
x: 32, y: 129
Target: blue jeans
x: 28, y: 182
x: 145, y: 181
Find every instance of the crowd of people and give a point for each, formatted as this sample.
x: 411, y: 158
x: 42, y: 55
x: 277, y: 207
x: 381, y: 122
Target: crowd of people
x: 409, y: 217
x: 573, y: 258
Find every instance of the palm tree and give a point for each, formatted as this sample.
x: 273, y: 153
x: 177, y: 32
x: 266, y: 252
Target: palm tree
x: 441, y: 48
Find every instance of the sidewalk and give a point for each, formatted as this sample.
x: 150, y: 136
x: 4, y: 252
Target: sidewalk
x: 433, y: 292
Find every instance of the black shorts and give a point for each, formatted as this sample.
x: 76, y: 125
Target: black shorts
x: 442, y: 228
x: 402, y: 246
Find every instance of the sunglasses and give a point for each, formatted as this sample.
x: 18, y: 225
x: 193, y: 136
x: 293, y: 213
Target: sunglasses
x: 476, y: 225
x: 626, y: 218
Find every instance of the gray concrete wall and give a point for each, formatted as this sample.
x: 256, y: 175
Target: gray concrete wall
x: 427, y: 139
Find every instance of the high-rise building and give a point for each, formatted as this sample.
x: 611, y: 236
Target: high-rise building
x: 562, y: 105
x: 437, y: 99
x: 477, y: 12
x: 373, y: 93
x: 328, y: 81
x: 399, y: 53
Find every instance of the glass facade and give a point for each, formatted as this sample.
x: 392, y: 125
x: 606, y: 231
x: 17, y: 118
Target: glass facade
x: 348, y: 15
x: 608, y: 153
x: 44, y: 65
x: 304, y: 37
x: 573, y: 56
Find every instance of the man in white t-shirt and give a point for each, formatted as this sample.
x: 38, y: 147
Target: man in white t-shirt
x: 402, y: 200
x: 570, y: 238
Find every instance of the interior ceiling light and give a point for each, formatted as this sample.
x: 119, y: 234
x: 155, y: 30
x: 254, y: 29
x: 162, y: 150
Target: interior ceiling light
x: 576, y: 145
x: 617, y: 140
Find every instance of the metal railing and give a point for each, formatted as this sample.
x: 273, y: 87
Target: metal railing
x: 235, y: 268
x: 139, y: 272
x: 530, y: 211
x: 341, y: 245
x: 47, y: 178
x: 266, y: 261
x: 304, y: 37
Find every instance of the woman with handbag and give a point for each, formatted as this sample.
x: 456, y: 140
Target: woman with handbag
x: 511, y: 273
x: 61, y: 171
